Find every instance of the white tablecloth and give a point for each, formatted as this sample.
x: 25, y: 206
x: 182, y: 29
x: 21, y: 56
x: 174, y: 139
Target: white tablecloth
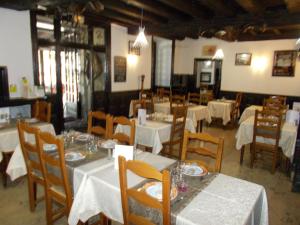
x: 287, y: 140
x: 195, y: 112
x: 16, y: 166
x: 155, y: 99
x: 249, y: 111
x: 99, y: 189
x: 221, y: 109
x: 216, y: 204
x: 227, y: 201
x: 153, y: 133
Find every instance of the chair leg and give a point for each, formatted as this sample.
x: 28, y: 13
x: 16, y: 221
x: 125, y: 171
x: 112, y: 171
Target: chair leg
x: 49, y: 211
x: 242, y: 154
x: 4, y: 164
x: 31, y: 194
x: 274, y: 163
x: 252, y: 152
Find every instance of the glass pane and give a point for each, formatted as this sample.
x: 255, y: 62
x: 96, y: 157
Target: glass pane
x: 75, y: 72
x: 74, y: 32
x: 45, y: 27
x: 99, y: 71
x: 98, y: 36
x: 47, y: 69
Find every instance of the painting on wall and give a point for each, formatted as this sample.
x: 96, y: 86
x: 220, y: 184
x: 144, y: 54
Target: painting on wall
x: 243, y: 59
x: 120, y: 69
x: 284, y: 63
x: 209, y: 50
x: 133, y: 50
x: 98, y: 36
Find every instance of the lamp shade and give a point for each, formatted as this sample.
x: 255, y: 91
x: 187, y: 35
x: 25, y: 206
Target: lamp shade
x: 219, y: 54
x: 141, y: 40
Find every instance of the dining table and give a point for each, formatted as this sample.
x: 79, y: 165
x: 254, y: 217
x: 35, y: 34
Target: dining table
x: 10, y: 142
x: 221, y: 108
x: 154, y: 132
x: 287, y: 139
x: 211, y: 199
x: 195, y: 112
x: 249, y: 111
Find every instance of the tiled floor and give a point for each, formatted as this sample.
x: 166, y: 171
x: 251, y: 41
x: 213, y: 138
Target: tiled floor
x: 283, y: 204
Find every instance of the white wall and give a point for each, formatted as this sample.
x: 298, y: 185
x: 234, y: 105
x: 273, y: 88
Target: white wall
x: 256, y: 78
x: 15, y: 46
x: 136, y: 65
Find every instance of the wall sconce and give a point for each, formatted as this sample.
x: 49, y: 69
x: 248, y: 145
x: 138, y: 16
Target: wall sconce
x: 132, y: 59
x: 219, y: 54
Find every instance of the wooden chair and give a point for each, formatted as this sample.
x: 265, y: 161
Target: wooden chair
x: 147, y: 96
x: 178, y: 100
x: 121, y: 137
x: 162, y: 92
x: 32, y: 157
x: 143, y: 170
x: 274, y: 104
x: 194, y: 98
x: 138, y: 104
x: 42, y: 111
x: 204, y: 138
x: 236, y: 108
x: 267, y: 124
x: 177, y: 130
x: 58, y: 189
x: 281, y: 99
x: 97, y: 129
x: 206, y: 97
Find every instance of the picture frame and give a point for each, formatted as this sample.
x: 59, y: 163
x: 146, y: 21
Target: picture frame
x: 243, y: 59
x: 120, y: 63
x: 209, y: 50
x: 133, y: 50
x: 284, y: 63
x: 98, y: 36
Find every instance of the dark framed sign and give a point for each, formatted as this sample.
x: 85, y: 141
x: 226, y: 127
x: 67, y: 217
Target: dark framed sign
x: 120, y: 69
x: 133, y: 50
x: 284, y: 63
x: 243, y: 59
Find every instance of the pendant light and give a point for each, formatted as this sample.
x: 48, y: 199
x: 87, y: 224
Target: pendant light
x: 141, y: 40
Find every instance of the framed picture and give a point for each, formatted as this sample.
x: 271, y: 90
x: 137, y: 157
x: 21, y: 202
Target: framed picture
x: 133, y: 50
x: 243, y: 59
x: 284, y: 63
x: 209, y: 50
x: 120, y: 69
x: 98, y: 36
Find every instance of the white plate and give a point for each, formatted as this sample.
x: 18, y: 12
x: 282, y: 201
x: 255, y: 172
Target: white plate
x: 154, y: 189
x: 193, y: 170
x: 31, y: 120
x: 74, y: 156
x: 83, y: 137
x: 49, y: 147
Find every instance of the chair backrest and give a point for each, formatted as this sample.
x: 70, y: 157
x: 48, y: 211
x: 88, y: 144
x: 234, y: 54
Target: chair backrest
x: 146, y: 94
x: 54, y: 169
x: 194, y: 98
x: 97, y: 129
x: 178, y: 100
x: 274, y: 104
x: 206, y: 97
x: 215, y: 142
x: 42, y: 111
x: 147, y: 171
x: 281, y: 99
x: 30, y: 150
x: 138, y: 104
x: 148, y: 97
x: 162, y: 92
x: 122, y: 137
x: 267, y: 124
x: 178, y: 126
x: 236, y: 107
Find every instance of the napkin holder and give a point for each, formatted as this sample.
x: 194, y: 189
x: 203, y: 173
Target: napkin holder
x: 142, y: 116
x: 122, y: 150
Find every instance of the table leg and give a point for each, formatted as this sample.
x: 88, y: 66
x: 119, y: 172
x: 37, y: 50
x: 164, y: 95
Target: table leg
x: 242, y: 154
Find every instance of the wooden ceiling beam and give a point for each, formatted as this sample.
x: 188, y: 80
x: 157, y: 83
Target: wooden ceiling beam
x: 186, y: 7
x: 128, y: 10
x: 151, y: 6
x: 293, y: 5
x: 218, y: 7
x: 251, y: 6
